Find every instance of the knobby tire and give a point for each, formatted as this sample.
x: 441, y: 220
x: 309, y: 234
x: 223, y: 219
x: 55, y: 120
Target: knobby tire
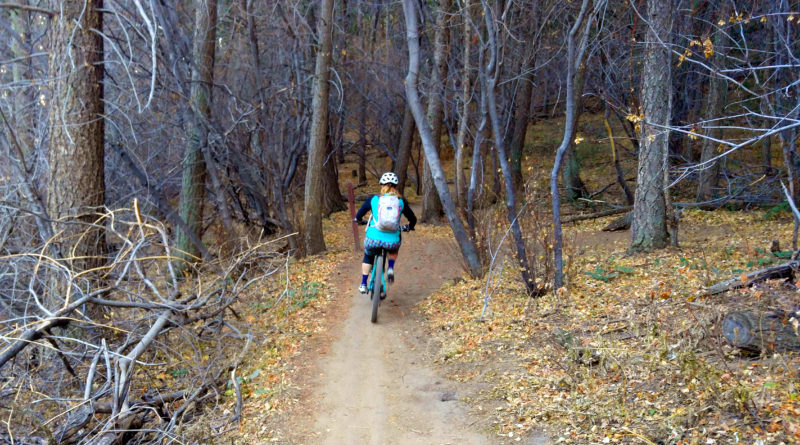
x: 376, y: 287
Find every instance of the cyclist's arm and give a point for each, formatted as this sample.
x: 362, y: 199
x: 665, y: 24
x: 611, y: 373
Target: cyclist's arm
x: 366, y: 207
x: 410, y: 216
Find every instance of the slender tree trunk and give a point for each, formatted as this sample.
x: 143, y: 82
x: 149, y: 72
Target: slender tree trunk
x: 404, y: 150
x: 766, y: 155
x: 362, y: 142
x: 649, y: 224
x: 76, y: 182
x: 193, y: 184
x: 312, y: 212
x: 476, y: 172
x: 463, y: 122
x: 432, y: 210
x: 571, y: 172
x: 489, y: 76
x: 468, y: 249
x: 575, y: 50
x: 522, y: 106
x: 615, y: 159
x: 715, y: 99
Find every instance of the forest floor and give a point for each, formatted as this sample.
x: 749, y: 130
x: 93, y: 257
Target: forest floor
x: 433, y: 371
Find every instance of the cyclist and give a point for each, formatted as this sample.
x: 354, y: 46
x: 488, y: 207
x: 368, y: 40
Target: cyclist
x: 384, y: 227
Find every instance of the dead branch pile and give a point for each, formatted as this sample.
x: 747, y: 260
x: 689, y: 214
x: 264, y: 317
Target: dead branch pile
x: 124, y: 353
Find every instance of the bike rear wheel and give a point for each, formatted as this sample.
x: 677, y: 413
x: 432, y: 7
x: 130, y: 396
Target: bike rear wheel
x: 377, y: 284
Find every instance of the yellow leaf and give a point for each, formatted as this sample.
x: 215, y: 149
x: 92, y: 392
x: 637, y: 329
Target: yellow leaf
x: 721, y: 22
x: 578, y: 140
x: 744, y: 278
x: 708, y: 48
x: 763, y: 19
x: 344, y: 52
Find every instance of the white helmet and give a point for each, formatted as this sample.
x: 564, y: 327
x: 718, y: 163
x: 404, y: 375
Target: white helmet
x: 388, y: 178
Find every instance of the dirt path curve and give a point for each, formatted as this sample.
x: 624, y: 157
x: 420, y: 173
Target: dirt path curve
x: 373, y: 387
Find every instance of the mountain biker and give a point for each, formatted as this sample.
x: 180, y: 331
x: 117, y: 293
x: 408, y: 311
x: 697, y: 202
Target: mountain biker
x: 384, y: 226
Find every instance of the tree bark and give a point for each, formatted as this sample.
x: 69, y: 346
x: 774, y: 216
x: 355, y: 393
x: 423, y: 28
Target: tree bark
x: 522, y: 106
x: 404, y: 150
x: 332, y: 196
x: 76, y: 182
x: 432, y: 210
x: 715, y: 99
x: 312, y: 212
x: 463, y: 122
x: 649, y: 225
x: 468, y: 250
x: 571, y: 172
x: 489, y: 76
x: 193, y: 184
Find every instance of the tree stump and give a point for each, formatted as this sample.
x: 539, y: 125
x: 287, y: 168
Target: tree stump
x: 765, y: 331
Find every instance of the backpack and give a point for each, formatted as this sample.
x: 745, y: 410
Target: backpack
x: 388, y: 217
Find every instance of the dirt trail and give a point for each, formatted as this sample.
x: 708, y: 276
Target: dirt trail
x: 373, y: 387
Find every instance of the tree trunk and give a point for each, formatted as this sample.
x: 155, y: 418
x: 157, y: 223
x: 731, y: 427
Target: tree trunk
x: 404, y: 150
x: 715, y: 99
x: 463, y: 122
x: 615, y: 159
x: 362, y: 142
x: 468, y: 249
x: 649, y: 225
x: 432, y: 210
x: 76, y: 182
x: 522, y: 106
x: 193, y: 185
x: 312, y: 212
x: 571, y: 172
x: 489, y: 76
x: 575, y: 51
x: 332, y: 196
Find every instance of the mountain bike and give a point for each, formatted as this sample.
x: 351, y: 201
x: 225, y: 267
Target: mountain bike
x: 378, y: 293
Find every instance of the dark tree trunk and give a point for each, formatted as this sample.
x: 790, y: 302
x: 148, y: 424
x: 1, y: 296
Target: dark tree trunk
x: 489, y: 76
x: 571, y: 170
x: 715, y: 100
x: 193, y: 184
x: 404, y: 150
x: 332, y: 196
x: 649, y: 225
x: 76, y: 182
x: 463, y: 122
x: 312, y: 211
x: 522, y: 106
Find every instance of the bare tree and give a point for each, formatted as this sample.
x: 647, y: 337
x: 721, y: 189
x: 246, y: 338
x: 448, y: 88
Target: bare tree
x: 468, y: 249
x: 193, y: 184
x: 575, y: 51
x: 312, y: 213
x: 431, y: 204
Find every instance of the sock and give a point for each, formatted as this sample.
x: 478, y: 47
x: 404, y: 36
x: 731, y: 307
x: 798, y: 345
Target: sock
x: 364, y: 280
x: 391, y: 264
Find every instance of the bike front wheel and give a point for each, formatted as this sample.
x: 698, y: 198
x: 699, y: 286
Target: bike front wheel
x: 377, y: 284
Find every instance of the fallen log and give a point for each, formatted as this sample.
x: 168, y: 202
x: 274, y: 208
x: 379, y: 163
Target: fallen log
x: 766, y: 331
x: 622, y: 223
x: 785, y: 270
x: 584, y: 217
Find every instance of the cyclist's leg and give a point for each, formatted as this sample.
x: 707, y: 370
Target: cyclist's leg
x: 391, y: 255
x: 366, y: 265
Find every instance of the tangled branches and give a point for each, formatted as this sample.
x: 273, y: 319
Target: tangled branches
x: 125, y: 352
